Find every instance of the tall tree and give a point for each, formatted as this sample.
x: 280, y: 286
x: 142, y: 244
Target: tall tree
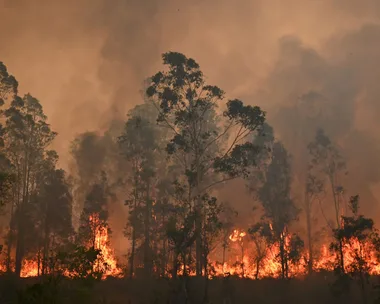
x: 27, y: 136
x: 53, y: 210
x: 188, y: 107
x: 279, y: 208
x: 328, y: 164
x: 313, y: 188
x: 8, y: 91
x: 139, y: 143
x: 94, y: 215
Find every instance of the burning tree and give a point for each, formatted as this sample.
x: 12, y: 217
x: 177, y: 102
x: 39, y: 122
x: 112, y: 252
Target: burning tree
x: 360, y: 241
x: 279, y: 209
x: 27, y: 137
x: 96, y: 203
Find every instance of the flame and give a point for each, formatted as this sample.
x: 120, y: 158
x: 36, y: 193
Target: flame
x: 250, y: 259
x: 237, y: 235
x: 102, y: 243
x: 107, y: 262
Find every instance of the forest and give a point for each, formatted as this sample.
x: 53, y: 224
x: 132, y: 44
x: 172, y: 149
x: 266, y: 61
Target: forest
x: 167, y: 166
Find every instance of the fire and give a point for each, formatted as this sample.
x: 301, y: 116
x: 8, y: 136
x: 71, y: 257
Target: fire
x: 106, y: 263
x: 237, y: 235
x: 102, y: 243
x: 29, y: 268
x: 251, y: 258
x: 253, y: 264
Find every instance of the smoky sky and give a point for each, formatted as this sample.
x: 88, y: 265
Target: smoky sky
x: 308, y: 63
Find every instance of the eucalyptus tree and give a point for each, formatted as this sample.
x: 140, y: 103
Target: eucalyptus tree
x: 329, y: 167
x: 210, y: 147
x: 26, y: 139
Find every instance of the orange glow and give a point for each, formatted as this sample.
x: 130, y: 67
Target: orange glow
x: 247, y: 258
x: 102, y: 243
x: 106, y: 263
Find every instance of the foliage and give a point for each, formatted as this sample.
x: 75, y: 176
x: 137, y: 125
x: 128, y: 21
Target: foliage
x: 358, y: 234
x: 188, y: 107
x: 279, y: 208
x: 80, y: 262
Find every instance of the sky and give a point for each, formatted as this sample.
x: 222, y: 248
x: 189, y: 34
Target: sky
x: 86, y: 60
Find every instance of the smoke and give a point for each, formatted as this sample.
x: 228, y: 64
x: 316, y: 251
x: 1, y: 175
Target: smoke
x: 308, y: 63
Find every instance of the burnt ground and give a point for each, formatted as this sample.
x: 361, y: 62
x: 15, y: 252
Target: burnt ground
x: 317, y: 289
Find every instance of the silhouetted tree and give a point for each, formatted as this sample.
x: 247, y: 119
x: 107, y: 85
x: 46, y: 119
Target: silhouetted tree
x: 188, y: 107
x: 139, y: 144
x: 359, y: 235
x: 27, y: 137
x: 279, y: 208
x: 95, y: 211
x: 53, y: 209
x: 328, y: 165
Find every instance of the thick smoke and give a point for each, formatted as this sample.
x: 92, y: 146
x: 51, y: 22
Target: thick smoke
x: 308, y: 63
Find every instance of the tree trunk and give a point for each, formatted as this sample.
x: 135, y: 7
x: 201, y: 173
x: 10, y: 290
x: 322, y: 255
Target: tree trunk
x: 10, y: 241
x: 19, y: 246
x: 198, y: 241
x: 198, y: 221
x: 309, y: 234
x: 147, y: 249
x: 133, y: 249
x: 242, y: 260
x: 175, y: 266
x: 282, y: 257
x: 45, y: 253
x: 257, y: 269
x: 206, y: 296
x: 224, y: 255
x: 132, y: 257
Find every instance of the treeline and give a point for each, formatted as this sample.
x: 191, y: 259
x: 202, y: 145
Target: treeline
x: 182, y: 145
x: 35, y: 193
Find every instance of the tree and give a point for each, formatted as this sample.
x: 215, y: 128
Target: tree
x: 8, y: 85
x: 188, y: 107
x: 279, y: 208
x: 53, y: 210
x: 8, y: 91
x: 95, y: 211
x: 227, y: 217
x: 313, y: 188
x: 358, y: 234
x: 140, y: 146
x: 329, y: 166
x: 27, y: 137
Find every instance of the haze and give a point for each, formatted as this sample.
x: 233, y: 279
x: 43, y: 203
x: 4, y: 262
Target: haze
x: 86, y: 61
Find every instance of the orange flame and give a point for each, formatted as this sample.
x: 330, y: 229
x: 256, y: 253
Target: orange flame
x: 253, y: 260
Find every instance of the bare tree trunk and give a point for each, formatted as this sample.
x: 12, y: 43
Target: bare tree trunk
x: 309, y: 234
x: 198, y: 221
x: 133, y: 249
x: 282, y: 257
x: 132, y: 257
x: 337, y: 217
x: 175, y: 265
x: 45, y: 253
x: 206, y: 296
x: 224, y: 255
x: 10, y: 240
x: 19, y: 246
x: 147, y: 248
x: 198, y: 241
x: 257, y: 269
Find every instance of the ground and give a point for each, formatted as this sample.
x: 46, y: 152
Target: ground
x: 123, y: 291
